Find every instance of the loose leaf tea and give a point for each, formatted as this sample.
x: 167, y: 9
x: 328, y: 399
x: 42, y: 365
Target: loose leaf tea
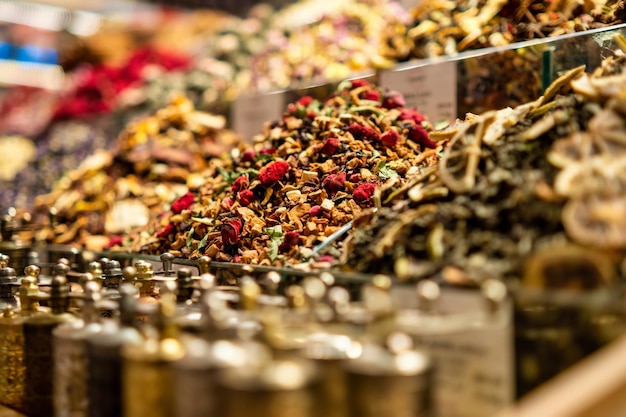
x: 516, y: 193
x: 305, y: 177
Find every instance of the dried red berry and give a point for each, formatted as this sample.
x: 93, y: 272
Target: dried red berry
x: 291, y: 239
x: 359, y: 83
x: 411, y: 114
x: 335, y: 182
x: 241, y: 183
x: 419, y: 135
x: 182, y: 203
x: 390, y: 139
x: 248, y: 155
x: 273, y: 172
x: 305, y: 101
x: 372, y: 95
x: 354, y: 178
x: 114, y: 241
x: 268, y: 151
x: 363, y: 133
x: 246, y: 197
x: 227, y: 203
x: 166, y: 231
x: 231, y: 231
x: 363, y: 193
x: 393, y: 100
x: 330, y: 147
x: 315, y: 211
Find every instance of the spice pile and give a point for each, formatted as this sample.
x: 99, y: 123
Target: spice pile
x: 307, y: 175
x: 112, y: 192
x: 536, y: 192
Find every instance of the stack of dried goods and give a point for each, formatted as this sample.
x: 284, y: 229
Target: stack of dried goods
x: 537, y: 192
x: 112, y: 192
x: 306, y: 176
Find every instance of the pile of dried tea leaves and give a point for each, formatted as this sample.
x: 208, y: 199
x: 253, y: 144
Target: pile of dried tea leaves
x: 306, y: 176
x: 114, y: 191
x: 527, y: 192
x: 449, y: 27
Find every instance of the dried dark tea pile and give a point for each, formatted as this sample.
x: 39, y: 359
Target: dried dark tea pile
x: 517, y: 192
x: 113, y: 191
x: 306, y: 176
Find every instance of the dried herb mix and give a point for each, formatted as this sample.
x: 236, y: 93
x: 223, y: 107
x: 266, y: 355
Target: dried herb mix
x: 516, y: 192
x: 306, y: 175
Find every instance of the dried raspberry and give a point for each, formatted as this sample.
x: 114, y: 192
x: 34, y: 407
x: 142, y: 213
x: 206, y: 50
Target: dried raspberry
x: 114, y: 241
x: 363, y: 133
x: 393, y: 100
x: 359, y: 83
x: 273, y: 172
x: 372, y: 95
x: 331, y: 146
x: 335, y: 182
x: 305, y: 101
x: 268, y: 151
x: 248, y: 155
x: 363, y: 193
x: 291, y: 239
x: 231, y: 231
x: 419, y: 135
x: 390, y: 139
x: 315, y: 211
x: 182, y: 203
x: 241, y: 183
x: 166, y: 231
x: 411, y: 114
x: 246, y: 197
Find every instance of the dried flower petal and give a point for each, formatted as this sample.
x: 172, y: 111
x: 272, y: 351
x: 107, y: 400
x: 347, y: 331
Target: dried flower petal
x: 182, y: 203
x: 372, y: 95
x: 166, y: 231
x: 241, y: 183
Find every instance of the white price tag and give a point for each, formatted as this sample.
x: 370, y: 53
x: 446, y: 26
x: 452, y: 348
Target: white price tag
x: 431, y: 88
x: 474, y: 359
x: 250, y: 112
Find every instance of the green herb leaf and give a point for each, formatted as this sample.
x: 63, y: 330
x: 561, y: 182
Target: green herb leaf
x: 276, y: 238
x: 190, y: 237
x: 384, y: 172
x: 203, y: 241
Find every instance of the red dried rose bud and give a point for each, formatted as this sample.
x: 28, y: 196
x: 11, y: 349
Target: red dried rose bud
x: 315, y: 211
x: 411, y: 114
x: 248, y: 155
x: 246, y: 197
x: 363, y: 133
x: 268, y: 151
x: 305, y: 101
x: 241, y: 183
x: 363, y: 193
x: 166, y: 231
x: 419, y: 135
x: 182, y: 203
x: 114, y: 241
x: 291, y: 239
x: 393, y: 100
x: 330, y: 147
x: 231, y: 231
x: 273, y: 172
x: 371, y: 95
x: 334, y: 182
x: 359, y: 83
x: 390, y: 139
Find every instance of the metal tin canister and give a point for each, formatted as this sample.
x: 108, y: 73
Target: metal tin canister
x: 382, y: 383
x: 280, y: 388
x: 104, y: 358
x: 70, y: 357
x: 148, y: 374
x: 38, y: 355
x: 12, y: 369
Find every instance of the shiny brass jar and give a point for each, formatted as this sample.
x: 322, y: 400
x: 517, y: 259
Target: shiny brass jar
x: 104, y: 359
x: 38, y: 340
x: 12, y: 368
x: 147, y: 369
x: 70, y: 356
